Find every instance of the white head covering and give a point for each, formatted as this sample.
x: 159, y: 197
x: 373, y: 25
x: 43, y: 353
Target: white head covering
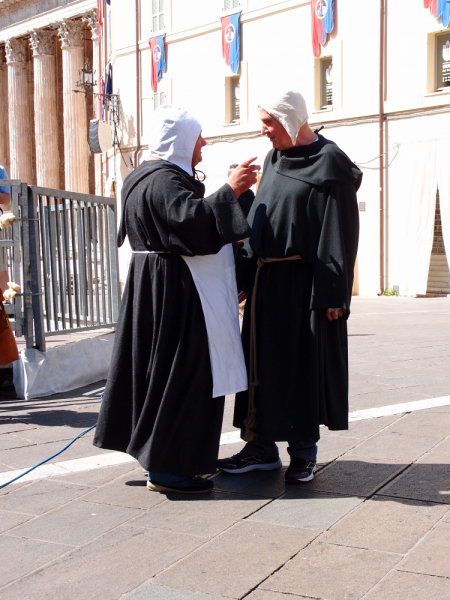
x: 289, y: 109
x: 173, y: 135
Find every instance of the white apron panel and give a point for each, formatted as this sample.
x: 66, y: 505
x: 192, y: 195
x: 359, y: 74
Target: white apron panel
x: 215, y: 280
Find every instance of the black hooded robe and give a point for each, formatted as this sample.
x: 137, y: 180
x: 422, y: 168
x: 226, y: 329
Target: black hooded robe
x: 158, y: 404
x: 305, y: 205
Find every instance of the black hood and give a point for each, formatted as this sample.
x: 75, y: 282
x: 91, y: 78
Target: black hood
x: 320, y: 163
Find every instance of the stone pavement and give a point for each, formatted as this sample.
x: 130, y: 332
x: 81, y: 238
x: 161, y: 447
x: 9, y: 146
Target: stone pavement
x: 374, y: 523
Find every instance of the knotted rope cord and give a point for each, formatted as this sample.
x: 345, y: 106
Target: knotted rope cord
x: 250, y: 421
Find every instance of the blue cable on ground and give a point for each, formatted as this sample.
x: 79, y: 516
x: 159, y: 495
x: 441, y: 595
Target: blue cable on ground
x: 47, y: 459
x: 54, y: 455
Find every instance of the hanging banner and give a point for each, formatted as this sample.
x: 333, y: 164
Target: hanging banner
x: 158, y: 59
x: 230, y: 40
x: 322, y: 23
x: 439, y: 8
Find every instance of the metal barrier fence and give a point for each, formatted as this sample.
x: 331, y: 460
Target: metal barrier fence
x: 10, y: 255
x: 70, y: 278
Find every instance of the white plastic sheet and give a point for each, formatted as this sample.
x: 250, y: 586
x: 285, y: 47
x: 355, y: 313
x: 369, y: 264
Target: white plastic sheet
x: 62, y: 368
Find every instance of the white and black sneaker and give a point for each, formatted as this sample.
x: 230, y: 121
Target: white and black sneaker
x: 300, y: 470
x: 243, y: 462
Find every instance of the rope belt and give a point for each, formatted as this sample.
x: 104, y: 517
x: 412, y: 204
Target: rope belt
x: 250, y: 421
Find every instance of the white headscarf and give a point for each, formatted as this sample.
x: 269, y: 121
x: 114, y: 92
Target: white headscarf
x: 289, y: 109
x: 173, y: 135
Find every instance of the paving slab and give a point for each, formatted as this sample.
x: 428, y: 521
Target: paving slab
x: 421, y: 481
x: 432, y: 555
x: 392, y: 445
x: 38, y: 497
x: 9, y: 441
x: 31, y: 454
x: 76, y: 523
x: 361, y: 429
x: 439, y: 455
x: 8, y: 520
x: 152, y: 591
x: 41, y: 435
x: 423, y: 423
x: 206, y: 515
x: 235, y: 562
x: 21, y: 556
x: 332, y: 572
x: 269, y: 595
x: 306, y: 509
x: 100, y: 476
x: 105, y: 569
x: 331, y: 447
x: 411, y: 586
x: 129, y: 490
x: 354, y: 476
x: 269, y: 484
x: 386, y: 525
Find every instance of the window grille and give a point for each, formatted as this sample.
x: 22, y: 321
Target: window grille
x: 442, y: 61
x: 158, y: 100
x: 157, y: 15
x: 228, y: 4
x: 326, y: 82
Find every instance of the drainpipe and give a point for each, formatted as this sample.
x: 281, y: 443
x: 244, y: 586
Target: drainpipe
x: 138, y: 89
x: 381, y: 147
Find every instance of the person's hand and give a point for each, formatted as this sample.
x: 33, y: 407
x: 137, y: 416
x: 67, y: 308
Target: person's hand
x: 333, y: 314
x: 243, y: 177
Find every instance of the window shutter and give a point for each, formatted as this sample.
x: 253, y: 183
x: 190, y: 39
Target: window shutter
x: 162, y: 98
x: 155, y: 102
x: 235, y: 3
x: 226, y: 5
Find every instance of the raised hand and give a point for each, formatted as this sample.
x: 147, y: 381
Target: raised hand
x: 243, y: 176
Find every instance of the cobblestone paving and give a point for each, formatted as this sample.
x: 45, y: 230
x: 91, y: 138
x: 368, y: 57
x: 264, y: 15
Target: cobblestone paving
x: 374, y: 524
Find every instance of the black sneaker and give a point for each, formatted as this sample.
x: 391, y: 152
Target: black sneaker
x: 243, y: 462
x: 190, y: 485
x: 300, y: 470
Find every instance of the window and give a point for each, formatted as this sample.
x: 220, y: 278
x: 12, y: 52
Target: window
x: 157, y: 15
x: 326, y: 82
x: 232, y: 100
x: 228, y: 4
x: 443, y: 61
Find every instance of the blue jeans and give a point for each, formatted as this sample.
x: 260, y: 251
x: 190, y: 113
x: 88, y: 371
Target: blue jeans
x: 269, y: 450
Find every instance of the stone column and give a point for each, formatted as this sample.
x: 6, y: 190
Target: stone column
x: 4, y: 127
x: 21, y: 166
x: 92, y: 21
x: 76, y: 148
x: 45, y: 117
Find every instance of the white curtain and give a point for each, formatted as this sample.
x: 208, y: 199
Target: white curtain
x: 443, y: 177
x: 420, y: 183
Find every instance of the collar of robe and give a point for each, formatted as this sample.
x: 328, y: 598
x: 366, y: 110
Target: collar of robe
x: 320, y: 163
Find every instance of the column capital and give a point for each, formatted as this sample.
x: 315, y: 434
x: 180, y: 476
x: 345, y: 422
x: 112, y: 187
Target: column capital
x: 91, y: 19
x: 71, y: 33
x: 15, y: 51
x: 42, y: 42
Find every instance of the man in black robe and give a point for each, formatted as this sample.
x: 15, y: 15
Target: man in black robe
x: 164, y: 398
x: 297, y: 267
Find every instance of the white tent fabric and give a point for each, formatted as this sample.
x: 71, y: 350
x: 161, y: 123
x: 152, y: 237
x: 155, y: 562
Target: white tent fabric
x: 420, y: 170
x: 443, y: 177
x: 62, y: 368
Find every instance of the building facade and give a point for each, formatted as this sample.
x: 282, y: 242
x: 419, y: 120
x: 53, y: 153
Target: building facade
x: 380, y: 88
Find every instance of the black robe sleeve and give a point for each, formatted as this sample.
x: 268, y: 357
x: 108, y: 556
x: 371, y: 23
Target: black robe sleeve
x: 336, y: 254
x: 193, y: 225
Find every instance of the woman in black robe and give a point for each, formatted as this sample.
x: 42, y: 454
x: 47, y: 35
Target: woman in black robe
x: 158, y: 403
x: 305, y: 207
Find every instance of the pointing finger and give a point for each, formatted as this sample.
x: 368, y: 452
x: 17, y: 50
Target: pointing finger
x: 246, y: 163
